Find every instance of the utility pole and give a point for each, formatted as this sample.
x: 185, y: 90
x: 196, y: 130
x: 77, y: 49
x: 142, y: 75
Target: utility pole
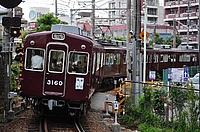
x: 174, y: 33
x: 188, y: 22
x: 93, y: 18
x: 199, y: 54
x: 154, y: 32
x: 56, y: 8
x: 128, y: 27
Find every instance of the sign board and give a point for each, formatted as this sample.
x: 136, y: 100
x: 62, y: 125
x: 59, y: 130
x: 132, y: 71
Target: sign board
x: 178, y: 74
x: 142, y: 35
x: 17, y: 40
x: 152, y: 75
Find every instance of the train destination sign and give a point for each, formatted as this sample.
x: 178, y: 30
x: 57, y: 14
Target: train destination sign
x: 178, y: 75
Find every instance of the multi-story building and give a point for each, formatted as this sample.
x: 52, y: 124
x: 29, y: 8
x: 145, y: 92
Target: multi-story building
x: 185, y: 14
x: 155, y: 18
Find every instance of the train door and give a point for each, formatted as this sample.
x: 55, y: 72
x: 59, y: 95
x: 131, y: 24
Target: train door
x: 55, y: 75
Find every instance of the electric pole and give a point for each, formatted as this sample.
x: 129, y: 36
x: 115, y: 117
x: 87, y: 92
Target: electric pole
x: 174, y: 33
x: 128, y: 27
x: 56, y: 8
x: 188, y: 22
x: 93, y: 18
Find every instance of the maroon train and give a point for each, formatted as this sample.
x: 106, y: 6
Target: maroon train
x: 163, y: 58
x: 74, y: 67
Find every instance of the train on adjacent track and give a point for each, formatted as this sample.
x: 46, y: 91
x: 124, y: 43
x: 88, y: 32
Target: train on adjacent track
x: 75, y: 66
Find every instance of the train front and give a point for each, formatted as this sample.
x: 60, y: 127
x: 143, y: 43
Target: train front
x: 55, y: 73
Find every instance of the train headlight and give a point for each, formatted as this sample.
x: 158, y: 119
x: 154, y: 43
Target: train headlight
x: 83, y: 46
x: 32, y: 42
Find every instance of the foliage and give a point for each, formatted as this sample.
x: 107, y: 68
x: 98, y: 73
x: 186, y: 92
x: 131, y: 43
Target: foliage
x: 14, y: 75
x: 46, y: 21
x: 149, y: 115
x: 120, y: 39
x: 168, y: 41
x: 159, y: 40
x: 24, y: 36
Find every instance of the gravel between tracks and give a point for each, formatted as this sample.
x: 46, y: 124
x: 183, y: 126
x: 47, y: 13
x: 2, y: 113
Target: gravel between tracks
x: 94, y: 117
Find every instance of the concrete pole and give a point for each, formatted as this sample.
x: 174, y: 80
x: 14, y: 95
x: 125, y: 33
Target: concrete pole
x: 128, y: 27
x: 188, y: 23
x: 145, y: 30
x: 93, y: 18
x: 154, y: 32
x: 174, y: 33
x: 56, y: 8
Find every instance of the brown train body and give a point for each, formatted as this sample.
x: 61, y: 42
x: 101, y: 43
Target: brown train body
x: 72, y: 69
x: 159, y: 59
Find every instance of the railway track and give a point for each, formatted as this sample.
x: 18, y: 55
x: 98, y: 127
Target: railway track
x: 54, y: 124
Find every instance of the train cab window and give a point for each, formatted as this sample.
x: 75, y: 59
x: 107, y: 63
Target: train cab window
x: 78, y: 62
x: 56, y: 61
x: 34, y: 59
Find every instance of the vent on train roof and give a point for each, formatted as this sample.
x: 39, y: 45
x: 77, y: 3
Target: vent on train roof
x: 185, y: 47
x: 162, y: 46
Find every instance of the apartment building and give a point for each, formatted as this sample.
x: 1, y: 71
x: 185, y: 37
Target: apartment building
x: 185, y: 14
x: 155, y: 17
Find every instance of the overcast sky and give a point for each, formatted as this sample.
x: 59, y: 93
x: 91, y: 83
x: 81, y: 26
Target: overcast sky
x: 63, y: 5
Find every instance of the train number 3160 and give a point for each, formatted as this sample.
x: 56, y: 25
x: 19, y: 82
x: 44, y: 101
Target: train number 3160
x: 54, y: 82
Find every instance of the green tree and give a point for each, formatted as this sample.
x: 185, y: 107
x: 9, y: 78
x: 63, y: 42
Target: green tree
x: 45, y: 22
x: 169, y: 40
x: 159, y: 40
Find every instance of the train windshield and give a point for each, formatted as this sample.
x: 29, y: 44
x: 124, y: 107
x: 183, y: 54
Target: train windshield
x: 78, y: 62
x: 34, y: 59
x: 56, y: 61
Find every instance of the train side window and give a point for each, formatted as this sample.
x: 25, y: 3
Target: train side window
x: 98, y: 60
x: 181, y: 58
x: 56, y: 61
x: 165, y: 58
x: 102, y: 58
x: 78, y: 62
x: 34, y: 59
x: 124, y: 59
x: 150, y: 58
x: 173, y: 59
x: 194, y: 58
x: 107, y: 58
x: 155, y: 58
x: 94, y: 60
x: 117, y: 57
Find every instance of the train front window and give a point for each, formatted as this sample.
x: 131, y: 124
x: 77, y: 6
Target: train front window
x: 34, y: 59
x: 56, y: 61
x: 78, y: 62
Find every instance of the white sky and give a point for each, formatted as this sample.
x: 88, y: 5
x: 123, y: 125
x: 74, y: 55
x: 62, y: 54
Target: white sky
x: 63, y: 5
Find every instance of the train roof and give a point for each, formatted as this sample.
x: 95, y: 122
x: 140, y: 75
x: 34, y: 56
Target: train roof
x: 174, y: 50
x: 72, y: 35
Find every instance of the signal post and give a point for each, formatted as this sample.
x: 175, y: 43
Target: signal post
x: 11, y: 25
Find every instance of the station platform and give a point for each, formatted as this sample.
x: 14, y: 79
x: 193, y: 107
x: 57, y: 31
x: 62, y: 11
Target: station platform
x: 99, y: 98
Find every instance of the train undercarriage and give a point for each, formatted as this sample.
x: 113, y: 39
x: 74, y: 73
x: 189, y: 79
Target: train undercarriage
x: 51, y: 107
